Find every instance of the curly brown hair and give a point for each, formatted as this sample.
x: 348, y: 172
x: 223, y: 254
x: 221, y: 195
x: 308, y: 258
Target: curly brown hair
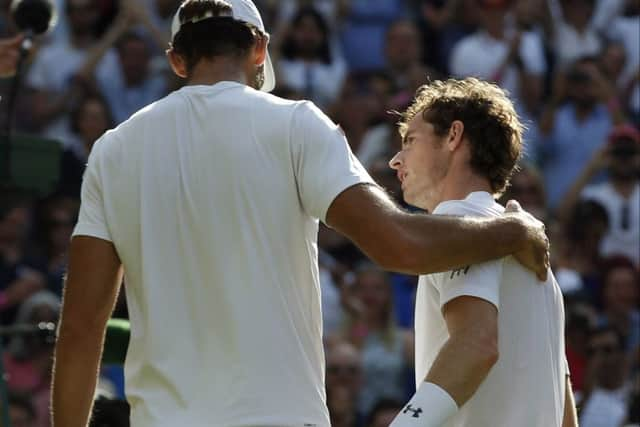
x: 491, y: 124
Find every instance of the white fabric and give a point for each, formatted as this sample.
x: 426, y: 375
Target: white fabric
x: 480, y: 55
x: 327, y: 79
x: 570, y: 45
x: 618, y: 240
x: 526, y: 387
x: 211, y: 197
x: 604, y: 408
x: 430, y: 406
x: 243, y: 10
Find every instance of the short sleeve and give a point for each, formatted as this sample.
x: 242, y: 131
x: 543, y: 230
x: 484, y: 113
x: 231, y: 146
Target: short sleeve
x: 478, y: 280
x: 323, y: 161
x: 91, y: 220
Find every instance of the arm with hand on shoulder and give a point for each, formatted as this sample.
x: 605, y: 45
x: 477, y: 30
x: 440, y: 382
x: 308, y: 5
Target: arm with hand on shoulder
x: 422, y: 244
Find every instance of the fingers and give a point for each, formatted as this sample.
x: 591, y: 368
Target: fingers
x: 513, y: 206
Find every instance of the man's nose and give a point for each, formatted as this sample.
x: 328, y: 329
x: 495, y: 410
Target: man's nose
x: 395, y: 161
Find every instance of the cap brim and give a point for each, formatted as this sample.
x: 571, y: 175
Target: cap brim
x: 269, y: 75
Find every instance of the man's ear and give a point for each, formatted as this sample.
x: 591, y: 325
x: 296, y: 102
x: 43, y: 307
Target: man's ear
x: 178, y: 65
x: 456, y: 133
x: 260, y: 50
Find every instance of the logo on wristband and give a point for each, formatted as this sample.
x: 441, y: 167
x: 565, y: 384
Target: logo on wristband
x: 416, y: 411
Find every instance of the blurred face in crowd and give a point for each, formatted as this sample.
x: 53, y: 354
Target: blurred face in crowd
x: 621, y: 290
x: 37, y: 344
x: 613, y: 60
x: 134, y: 59
x: 83, y: 15
x: 421, y: 164
x: 344, y: 368
x: 93, y: 121
x: 14, y: 225
x: 373, y: 289
x: 308, y: 35
x: 60, y: 228
x: 578, y: 12
x: 608, y: 357
x: 403, y: 47
x: 492, y: 15
x: 580, y: 85
x: 527, y: 188
x: 625, y: 160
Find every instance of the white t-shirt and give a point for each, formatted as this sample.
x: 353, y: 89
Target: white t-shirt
x: 620, y: 239
x: 479, y: 55
x: 526, y: 387
x: 211, y: 197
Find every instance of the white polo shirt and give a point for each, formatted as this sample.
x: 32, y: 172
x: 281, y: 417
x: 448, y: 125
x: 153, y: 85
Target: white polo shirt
x: 526, y: 387
x: 211, y: 197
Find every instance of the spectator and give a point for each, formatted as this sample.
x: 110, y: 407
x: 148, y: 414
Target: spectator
x: 308, y: 64
x: 20, y: 274
x: 402, y: 51
x: 387, y: 351
x: 527, y: 187
x: 619, y: 193
x: 21, y: 411
x: 365, y: 24
x: 61, y: 71
x: 89, y: 119
x: 620, y: 292
x: 607, y: 391
x: 573, y: 35
x: 343, y: 383
x: 579, y: 258
x: 510, y: 57
x: 581, y: 319
x: 29, y: 358
x: 135, y: 85
x: 575, y: 124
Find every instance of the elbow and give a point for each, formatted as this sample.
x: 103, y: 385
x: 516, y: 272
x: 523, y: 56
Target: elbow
x: 486, y: 351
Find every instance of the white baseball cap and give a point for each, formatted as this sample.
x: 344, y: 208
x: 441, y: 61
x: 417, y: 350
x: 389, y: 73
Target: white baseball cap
x: 242, y: 10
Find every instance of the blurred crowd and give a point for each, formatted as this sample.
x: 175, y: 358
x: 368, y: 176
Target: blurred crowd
x: 572, y: 68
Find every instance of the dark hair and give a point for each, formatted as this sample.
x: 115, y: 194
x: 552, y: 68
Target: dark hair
x: 583, y: 215
x: 77, y: 110
x: 22, y: 401
x: 323, y: 52
x: 608, y: 329
x: 130, y: 36
x: 219, y: 35
x: 491, y: 124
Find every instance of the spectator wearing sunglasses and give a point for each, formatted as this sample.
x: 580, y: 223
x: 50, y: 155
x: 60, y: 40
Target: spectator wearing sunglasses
x: 619, y: 194
x: 607, y: 389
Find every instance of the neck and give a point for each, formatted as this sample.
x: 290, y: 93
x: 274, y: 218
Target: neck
x: 459, y: 186
x: 212, y: 71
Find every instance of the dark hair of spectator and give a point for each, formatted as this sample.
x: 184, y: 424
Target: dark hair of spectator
x: 23, y: 402
x: 491, y: 124
x: 78, y: 109
x: 381, y: 406
x: 213, y: 37
x: 290, y: 50
x: 584, y: 215
x: 604, y: 330
x: 130, y: 36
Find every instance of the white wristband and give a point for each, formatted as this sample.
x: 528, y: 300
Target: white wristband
x: 431, y: 406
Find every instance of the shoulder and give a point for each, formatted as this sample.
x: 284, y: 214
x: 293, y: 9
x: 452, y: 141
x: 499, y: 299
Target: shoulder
x: 469, y: 208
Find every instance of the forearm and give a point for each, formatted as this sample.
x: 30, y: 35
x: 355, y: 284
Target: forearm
x: 460, y: 368
x: 570, y: 418
x: 439, y: 243
x: 75, y: 375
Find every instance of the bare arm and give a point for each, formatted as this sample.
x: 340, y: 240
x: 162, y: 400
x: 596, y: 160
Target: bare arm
x: 422, y: 244
x: 471, y: 350
x: 92, y: 284
x: 570, y: 418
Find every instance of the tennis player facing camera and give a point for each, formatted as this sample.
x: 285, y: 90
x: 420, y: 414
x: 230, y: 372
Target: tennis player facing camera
x: 209, y: 200
x: 489, y: 336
